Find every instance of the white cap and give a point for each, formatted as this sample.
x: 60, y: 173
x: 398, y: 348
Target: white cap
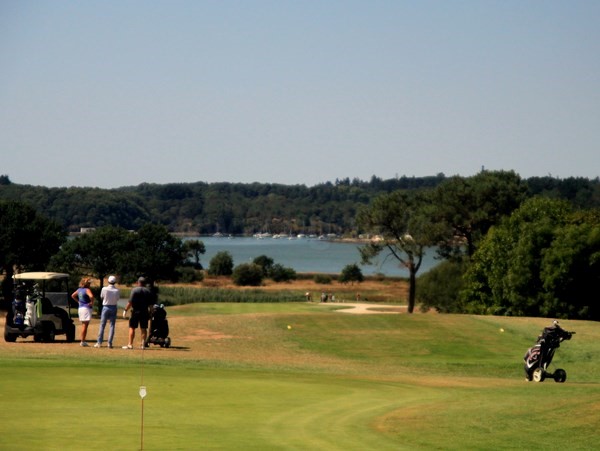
x: 112, y: 279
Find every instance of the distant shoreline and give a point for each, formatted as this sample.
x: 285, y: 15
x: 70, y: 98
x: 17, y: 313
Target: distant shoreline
x: 183, y: 235
x: 336, y: 239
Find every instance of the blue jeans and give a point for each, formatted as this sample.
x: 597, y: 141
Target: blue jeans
x: 109, y: 313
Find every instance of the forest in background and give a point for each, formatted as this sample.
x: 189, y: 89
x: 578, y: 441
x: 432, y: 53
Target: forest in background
x: 248, y: 208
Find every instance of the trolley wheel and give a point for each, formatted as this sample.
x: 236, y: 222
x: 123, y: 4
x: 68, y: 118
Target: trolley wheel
x: 167, y: 342
x: 539, y: 375
x: 560, y: 375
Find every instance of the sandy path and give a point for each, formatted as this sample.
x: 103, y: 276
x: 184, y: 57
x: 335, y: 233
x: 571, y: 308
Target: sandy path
x: 359, y: 308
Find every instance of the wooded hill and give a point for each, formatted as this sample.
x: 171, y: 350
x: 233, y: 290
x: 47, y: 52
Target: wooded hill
x: 240, y: 208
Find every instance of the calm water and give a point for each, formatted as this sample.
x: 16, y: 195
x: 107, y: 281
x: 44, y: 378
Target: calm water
x: 305, y: 255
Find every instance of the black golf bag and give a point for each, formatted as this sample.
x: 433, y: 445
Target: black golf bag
x: 159, y: 327
x: 539, y: 356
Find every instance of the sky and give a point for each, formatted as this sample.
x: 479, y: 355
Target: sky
x: 112, y: 93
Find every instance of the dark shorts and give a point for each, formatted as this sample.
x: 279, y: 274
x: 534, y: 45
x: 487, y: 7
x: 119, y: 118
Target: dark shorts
x: 138, y: 318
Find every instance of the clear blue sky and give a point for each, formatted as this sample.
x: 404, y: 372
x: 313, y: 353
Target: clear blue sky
x: 117, y: 93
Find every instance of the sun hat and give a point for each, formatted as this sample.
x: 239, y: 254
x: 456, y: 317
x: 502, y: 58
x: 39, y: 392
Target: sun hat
x: 112, y: 279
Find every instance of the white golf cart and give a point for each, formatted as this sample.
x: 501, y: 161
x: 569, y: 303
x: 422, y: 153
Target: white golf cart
x: 40, y: 307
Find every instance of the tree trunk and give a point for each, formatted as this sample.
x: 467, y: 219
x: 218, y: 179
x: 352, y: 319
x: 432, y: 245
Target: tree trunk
x: 412, y: 288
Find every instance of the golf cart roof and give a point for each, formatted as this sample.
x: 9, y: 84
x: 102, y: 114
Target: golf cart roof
x: 41, y: 276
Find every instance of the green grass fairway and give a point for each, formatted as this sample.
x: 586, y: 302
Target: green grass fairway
x: 238, y: 378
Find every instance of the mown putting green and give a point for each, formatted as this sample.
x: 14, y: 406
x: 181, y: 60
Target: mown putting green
x: 239, y: 378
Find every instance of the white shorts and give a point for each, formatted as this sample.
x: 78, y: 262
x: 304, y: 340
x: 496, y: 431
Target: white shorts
x: 85, y: 314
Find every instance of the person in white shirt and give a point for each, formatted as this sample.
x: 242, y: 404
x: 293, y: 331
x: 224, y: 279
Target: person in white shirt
x: 110, y: 296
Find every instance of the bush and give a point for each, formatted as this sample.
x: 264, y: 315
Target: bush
x: 280, y: 273
x: 351, y: 273
x: 439, y: 287
x: 322, y: 278
x: 248, y: 274
x: 266, y: 263
x: 187, y: 274
x: 221, y: 264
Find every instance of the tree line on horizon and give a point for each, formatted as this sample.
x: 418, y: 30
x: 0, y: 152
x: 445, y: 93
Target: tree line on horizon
x: 246, y: 208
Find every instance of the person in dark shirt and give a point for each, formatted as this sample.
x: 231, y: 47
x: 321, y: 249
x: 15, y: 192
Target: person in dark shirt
x: 140, y: 300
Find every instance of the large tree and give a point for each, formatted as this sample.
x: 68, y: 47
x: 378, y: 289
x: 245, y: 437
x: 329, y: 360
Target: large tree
x: 27, y: 241
x: 155, y: 253
x: 542, y: 261
x: 402, y: 228
x: 151, y: 251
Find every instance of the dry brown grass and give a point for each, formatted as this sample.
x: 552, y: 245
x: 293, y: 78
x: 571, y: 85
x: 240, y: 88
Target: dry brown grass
x: 375, y: 290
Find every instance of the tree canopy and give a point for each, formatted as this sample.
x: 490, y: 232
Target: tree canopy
x: 470, y: 206
x: 544, y: 260
x: 194, y: 249
x: 151, y: 251
x: 27, y: 241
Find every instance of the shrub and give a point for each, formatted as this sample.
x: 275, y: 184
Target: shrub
x: 266, y: 263
x: 247, y: 274
x: 439, y: 287
x: 322, y: 278
x: 221, y: 264
x: 187, y: 274
x: 351, y: 273
x: 280, y: 273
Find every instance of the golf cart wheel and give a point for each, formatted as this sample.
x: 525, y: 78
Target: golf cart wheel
x: 538, y: 375
x: 38, y: 338
x: 49, y: 333
x: 560, y: 375
x: 9, y: 338
x: 70, y: 333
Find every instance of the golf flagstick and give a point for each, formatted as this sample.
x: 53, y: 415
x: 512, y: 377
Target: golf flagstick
x: 142, y: 395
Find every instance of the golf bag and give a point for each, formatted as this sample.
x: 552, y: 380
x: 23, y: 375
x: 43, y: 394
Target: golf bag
x: 539, y: 356
x: 18, y: 310
x: 159, y: 327
x: 19, y: 307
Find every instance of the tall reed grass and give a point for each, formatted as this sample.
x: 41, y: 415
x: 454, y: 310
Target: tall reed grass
x: 190, y: 295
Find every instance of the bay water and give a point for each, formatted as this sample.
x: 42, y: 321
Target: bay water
x: 306, y: 255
